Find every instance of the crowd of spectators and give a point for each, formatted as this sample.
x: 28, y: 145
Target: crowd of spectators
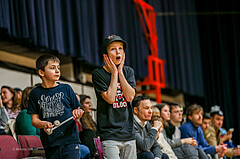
x: 128, y: 126
x: 159, y: 129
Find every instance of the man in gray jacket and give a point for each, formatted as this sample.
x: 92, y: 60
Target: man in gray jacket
x: 147, y: 146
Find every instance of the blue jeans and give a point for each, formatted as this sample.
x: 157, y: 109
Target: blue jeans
x: 85, y: 152
x: 70, y: 151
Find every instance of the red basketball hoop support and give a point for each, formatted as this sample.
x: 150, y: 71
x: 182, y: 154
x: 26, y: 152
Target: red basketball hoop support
x: 156, y: 78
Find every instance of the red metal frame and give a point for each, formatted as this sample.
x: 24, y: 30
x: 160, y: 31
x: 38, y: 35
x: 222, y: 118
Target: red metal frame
x: 156, y: 77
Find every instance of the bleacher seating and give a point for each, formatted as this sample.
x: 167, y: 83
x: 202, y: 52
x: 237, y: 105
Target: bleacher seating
x: 9, y: 148
x: 29, y: 146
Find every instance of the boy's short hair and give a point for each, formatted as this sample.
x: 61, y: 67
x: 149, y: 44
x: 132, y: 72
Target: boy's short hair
x: 136, y: 101
x: 206, y: 116
x: 42, y: 61
x: 173, y: 104
x: 108, y: 40
x: 192, y: 108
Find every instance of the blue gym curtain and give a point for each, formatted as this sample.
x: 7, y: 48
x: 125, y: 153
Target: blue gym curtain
x: 178, y: 41
x: 76, y: 28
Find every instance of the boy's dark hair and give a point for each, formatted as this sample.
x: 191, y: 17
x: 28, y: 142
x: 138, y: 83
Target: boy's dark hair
x: 192, y: 108
x: 171, y: 105
x: 110, y: 39
x: 136, y: 101
x: 42, y: 61
x: 206, y: 116
x: 83, y: 97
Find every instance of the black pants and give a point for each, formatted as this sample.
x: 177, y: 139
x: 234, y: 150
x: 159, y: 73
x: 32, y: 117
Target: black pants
x: 86, y: 137
x: 2, y: 132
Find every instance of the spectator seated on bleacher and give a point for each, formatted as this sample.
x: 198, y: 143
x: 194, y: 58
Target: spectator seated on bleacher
x: 23, y: 121
x: 147, y: 145
x: 19, y: 92
x: 89, y: 130
x: 183, y: 148
x: 192, y: 129
x: 170, y: 131
x: 165, y: 147
x: 10, y: 101
x: 3, y: 118
x: 213, y: 135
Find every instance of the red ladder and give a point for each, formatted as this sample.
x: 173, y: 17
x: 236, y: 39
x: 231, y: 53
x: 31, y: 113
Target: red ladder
x: 156, y: 78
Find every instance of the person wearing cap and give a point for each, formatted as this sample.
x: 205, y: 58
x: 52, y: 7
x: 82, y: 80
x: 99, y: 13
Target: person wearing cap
x: 115, y: 88
x: 213, y: 135
x: 192, y: 129
x: 205, y: 124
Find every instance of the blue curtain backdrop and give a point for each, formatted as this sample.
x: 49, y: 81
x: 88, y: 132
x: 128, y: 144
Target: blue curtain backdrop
x: 69, y: 27
x: 178, y: 41
x: 198, y: 40
x: 76, y: 28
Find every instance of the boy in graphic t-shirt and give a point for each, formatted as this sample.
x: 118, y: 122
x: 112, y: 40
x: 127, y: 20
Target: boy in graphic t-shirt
x: 115, y: 87
x: 53, y: 101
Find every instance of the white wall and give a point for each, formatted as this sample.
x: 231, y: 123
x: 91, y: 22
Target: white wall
x: 14, y: 78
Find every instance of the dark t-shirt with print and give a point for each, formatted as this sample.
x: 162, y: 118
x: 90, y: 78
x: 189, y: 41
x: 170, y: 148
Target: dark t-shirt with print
x: 56, y: 103
x: 114, y: 121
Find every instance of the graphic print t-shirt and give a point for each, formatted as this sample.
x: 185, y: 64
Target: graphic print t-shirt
x: 120, y: 101
x: 53, y: 104
x: 114, y: 121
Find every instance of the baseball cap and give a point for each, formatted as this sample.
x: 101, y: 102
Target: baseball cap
x: 108, y: 40
x: 216, y: 110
